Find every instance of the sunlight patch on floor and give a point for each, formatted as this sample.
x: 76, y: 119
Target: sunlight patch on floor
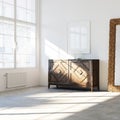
x: 50, y: 104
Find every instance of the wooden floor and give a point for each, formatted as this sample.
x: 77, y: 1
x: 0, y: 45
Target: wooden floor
x: 41, y: 103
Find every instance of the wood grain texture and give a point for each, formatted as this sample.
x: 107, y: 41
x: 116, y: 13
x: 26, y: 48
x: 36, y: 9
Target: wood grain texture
x: 75, y: 73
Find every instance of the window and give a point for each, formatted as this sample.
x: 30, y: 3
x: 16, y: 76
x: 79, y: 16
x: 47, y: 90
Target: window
x: 17, y: 33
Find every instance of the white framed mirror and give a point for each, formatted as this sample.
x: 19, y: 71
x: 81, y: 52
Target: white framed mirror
x: 79, y: 37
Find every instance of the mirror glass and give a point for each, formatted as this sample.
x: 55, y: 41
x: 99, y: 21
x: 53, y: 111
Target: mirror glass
x: 79, y: 37
x: 117, y: 57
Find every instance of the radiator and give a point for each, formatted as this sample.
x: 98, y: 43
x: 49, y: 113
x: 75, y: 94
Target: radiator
x: 14, y: 80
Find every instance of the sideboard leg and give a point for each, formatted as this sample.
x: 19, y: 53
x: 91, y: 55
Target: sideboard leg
x: 48, y: 86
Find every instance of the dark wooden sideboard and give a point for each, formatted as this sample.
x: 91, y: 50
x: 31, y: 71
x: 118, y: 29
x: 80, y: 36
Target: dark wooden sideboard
x: 74, y: 73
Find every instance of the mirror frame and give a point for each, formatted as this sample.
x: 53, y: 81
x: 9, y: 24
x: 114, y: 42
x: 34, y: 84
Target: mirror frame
x: 111, y: 64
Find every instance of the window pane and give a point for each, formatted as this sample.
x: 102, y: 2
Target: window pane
x: 21, y: 3
x: 6, y: 44
x: 30, y: 16
x: 1, y: 58
x: 27, y: 4
x: 6, y: 60
x: 9, y: 44
x: 31, y: 5
x: 21, y: 14
x: 25, y: 30
x: 8, y: 1
x: 22, y: 30
x: 25, y: 60
x: 6, y: 28
x: 7, y: 8
x: 25, y: 45
x: 26, y: 10
x: 25, y: 15
x: 1, y: 9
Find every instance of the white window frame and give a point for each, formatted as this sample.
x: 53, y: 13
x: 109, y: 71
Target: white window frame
x: 14, y: 20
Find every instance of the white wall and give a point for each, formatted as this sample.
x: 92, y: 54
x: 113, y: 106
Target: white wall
x: 55, y: 16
